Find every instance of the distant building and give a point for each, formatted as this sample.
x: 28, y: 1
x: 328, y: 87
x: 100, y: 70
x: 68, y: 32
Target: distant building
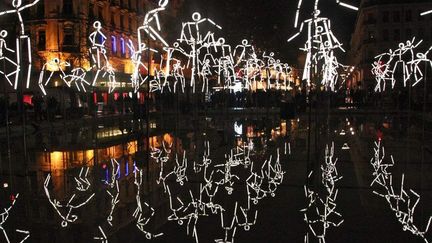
x: 381, y: 25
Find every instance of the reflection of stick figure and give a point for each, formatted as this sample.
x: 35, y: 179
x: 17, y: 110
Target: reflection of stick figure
x: 17, y: 4
x: 150, y: 17
x: 6, y: 60
x: 67, y: 216
x: 4, y: 217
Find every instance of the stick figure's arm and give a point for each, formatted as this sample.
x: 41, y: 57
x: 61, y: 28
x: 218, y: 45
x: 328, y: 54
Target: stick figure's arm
x: 28, y: 5
x: 346, y: 5
x: 8, y: 12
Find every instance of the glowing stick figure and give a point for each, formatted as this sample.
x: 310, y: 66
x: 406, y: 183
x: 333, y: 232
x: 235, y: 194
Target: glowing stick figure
x: 175, y: 211
x: 4, y: 215
x: 5, y: 59
x: 55, y: 62
x: 243, y: 51
x: 421, y: 58
x: 178, y: 73
x: 341, y: 3
x: 136, y: 57
x: 206, y: 65
x: 227, y: 228
x: 113, y: 189
x: 82, y: 185
x: 180, y: 169
x: 103, y: 237
x: 426, y: 13
x: 191, y: 35
x: 402, y: 202
x: 151, y: 25
x: 99, y: 57
x: 17, y: 4
x: 321, y: 38
x: 247, y: 223
x: 142, y: 220
x: 77, y: 77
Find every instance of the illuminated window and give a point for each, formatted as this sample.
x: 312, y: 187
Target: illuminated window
x: 123, y: 47
x: 113, y: 44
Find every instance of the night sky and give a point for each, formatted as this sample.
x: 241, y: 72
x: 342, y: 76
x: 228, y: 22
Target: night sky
x: 269, y: 23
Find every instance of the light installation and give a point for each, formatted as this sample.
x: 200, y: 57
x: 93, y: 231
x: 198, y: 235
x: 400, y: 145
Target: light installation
x: 139, y: 213
x: 99, y: 58
x: 65, y: 210
x: 426, y: 13
x: 113, y: 188
x: 21, y: 38
x: 321, y: 212
x: 57, y: 64
x: 403, y: 202
x: 404, y: 64
x: 151, y: 25
x: 320, y: 46
x: 236, y: 69
x: 7, y: 61
x: 4, y: 215
x: 188, y: 209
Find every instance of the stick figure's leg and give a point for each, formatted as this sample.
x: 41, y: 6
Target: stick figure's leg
x: 96, y: 77
x: 29, y: 65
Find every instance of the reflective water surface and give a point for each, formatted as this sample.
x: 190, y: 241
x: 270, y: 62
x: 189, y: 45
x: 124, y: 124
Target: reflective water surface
x: 176, y: 186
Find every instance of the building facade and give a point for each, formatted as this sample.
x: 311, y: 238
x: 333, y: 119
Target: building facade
x: 381, y: 25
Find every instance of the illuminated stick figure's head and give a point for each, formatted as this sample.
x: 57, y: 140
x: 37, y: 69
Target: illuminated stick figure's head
x: 3, y: 34
x: 196, y: 16
x: 176, y: 45
x: 163, y: 3
x: 97, y: 25
x: 421, y: 55
x: 245, y: 42
x: 221, y: 41
x: 16, y: 3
